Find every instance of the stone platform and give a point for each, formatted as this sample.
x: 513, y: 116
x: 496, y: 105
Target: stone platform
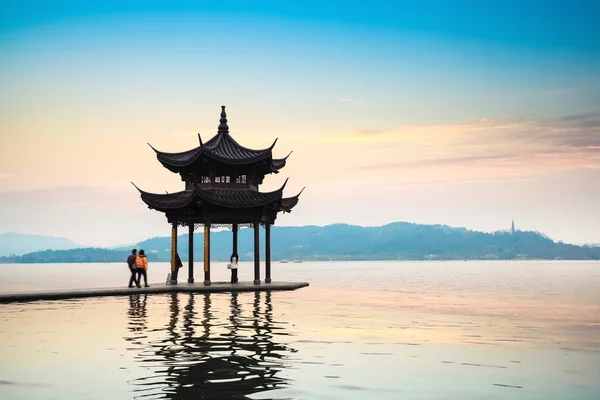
x: 154, y: 288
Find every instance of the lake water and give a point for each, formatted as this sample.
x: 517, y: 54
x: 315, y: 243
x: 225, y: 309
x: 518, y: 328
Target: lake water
x: 362, y: 330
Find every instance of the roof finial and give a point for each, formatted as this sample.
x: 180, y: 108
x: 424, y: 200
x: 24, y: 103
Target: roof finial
x: 223, y: 121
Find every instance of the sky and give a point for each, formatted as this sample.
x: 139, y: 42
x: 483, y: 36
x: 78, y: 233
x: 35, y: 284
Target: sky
x: 464, y: 113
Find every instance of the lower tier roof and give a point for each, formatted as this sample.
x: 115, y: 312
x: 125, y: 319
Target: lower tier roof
x: 228, y: 198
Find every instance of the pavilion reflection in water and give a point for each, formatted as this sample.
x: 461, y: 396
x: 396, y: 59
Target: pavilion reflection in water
x: 203, y: 356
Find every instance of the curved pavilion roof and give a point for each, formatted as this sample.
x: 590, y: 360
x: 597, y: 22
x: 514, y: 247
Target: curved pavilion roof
x: 229, y: 198
x: 222, y: 147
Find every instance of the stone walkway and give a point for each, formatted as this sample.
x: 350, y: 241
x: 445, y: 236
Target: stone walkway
x: 155, y: 288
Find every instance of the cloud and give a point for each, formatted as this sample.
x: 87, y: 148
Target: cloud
x: 87, y: 214
x: 581, y: 129
x: 577, y: 131
x: 6, y: 176
x: 351, y: 101
x: 588, y: 120
x: 93, y: 198
x: 450, y: 161
x: 497, y: 145
x: 434, y: 183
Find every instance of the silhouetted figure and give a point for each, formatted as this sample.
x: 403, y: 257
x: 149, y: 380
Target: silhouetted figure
x: 141, y: 263
x: 178, y: 262
x: 174, y: 274
x: 134, y: 273
x: 234, y: 268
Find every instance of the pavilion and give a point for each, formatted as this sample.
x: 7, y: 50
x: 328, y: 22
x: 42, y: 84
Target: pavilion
x: 222, y: 180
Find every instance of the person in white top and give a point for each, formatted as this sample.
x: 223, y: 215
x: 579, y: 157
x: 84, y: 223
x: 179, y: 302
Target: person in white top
x: 234, y: 268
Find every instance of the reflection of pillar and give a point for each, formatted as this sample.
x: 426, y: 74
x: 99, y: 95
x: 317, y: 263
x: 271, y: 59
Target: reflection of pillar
x: 256, y: 311
x: 258, y: 337
x: 137, y: 317
x: 268, y: 309
x: 256, y: 254
x: 207, y: 254
x: 267, y: 253
x: 267, y: 325
x: 189, y: 318
x: 207, y: 316
x: 234, y: 322
x: 244, y: 362
x: 171, y: 326
x: 174, y: 268
x: 191, y: 254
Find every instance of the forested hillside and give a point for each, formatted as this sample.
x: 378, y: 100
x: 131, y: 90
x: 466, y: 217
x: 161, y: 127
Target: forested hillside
x: 395, y: 241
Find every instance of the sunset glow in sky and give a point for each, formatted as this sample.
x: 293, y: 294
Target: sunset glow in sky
x: 460, y: 113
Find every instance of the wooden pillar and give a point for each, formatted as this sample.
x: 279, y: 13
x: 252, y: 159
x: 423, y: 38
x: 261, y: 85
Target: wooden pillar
x: 235, y: 240
x: 256, y: 254
x: 191, y: 254
x: 267, y: 253
x: 234, y: 253
x: 174, y: 269
x: 207, y: 254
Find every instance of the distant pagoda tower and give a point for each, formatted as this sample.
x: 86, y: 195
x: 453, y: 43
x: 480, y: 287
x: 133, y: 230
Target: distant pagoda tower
x: 512, y: 228
x: 222, y: 180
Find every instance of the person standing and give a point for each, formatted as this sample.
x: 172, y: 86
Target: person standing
x: 134, y: 273
x: 234, y: 268
x: 141, y: 263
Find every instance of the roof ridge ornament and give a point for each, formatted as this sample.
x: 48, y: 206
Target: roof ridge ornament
x: 200, y: 139
x: 223, y: 127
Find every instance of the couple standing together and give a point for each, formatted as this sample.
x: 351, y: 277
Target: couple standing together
x: 138, y: 265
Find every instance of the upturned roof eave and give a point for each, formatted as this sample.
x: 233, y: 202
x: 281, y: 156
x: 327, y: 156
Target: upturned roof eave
x: 168, y: 160
x: 182, y: 199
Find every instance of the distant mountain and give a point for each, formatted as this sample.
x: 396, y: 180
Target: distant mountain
x: 395, y: 241
x: 19, y: 243
x: 399, y: 240
x: 80, y: 255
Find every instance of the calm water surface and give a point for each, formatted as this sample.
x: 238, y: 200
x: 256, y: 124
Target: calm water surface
x: 378, y: 330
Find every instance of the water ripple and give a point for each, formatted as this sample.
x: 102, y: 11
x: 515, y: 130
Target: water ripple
x: 200, y: 353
